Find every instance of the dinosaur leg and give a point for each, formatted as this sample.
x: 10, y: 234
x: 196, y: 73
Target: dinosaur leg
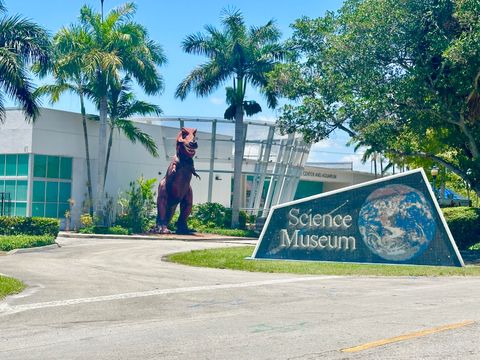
x: 185, y: 210
x: 162, y: 200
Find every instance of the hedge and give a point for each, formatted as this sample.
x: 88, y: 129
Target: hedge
x: 464, y: 223
x: 28, y: 226
x: 10, y: 242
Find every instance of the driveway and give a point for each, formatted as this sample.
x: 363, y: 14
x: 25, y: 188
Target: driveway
x: 117, y: 299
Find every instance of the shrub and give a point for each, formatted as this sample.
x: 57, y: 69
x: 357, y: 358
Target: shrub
x: 242, y: 219
x: 138, y: 206
x: 11, y: 242
x: 464, y: 223
x: 210, y: 213
x: 29, y: 226
x: 210, y: 216
x: 114, y: 230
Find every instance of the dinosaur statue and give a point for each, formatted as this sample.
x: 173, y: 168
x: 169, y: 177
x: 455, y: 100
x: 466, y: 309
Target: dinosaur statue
x: 175, y: 187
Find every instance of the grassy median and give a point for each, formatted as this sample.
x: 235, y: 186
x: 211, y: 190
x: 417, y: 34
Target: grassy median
x: 234, y: 258
x: 10, y: 242
x: 9, y: 286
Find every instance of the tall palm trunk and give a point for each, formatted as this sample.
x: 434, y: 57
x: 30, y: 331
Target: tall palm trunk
x: 109, y: 149
x: 102, y: 147
x: 87, y: 154
x: 237, y: 166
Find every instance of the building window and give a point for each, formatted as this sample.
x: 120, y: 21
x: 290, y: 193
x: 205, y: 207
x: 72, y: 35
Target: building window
x: 14, y: 183
x: 52, y: 186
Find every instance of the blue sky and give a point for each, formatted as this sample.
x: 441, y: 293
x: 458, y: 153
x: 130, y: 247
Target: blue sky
x: 168, y: 22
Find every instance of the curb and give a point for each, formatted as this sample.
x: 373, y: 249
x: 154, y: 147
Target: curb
x: 192, y: 238
x: 33, y: 249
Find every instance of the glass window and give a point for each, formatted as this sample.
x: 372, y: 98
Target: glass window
x: 2, y: 185
x: 21, y: 191
x: 52, y: 192
x: 65, y: 168
x: 51, y: 210
x: 2, y: 165
x: 11, y: 165
x: 38, y: 209
x: 64, y: 192
x: 62, y: 208
x: 53, y: 166
x: 22, y: 165
x: 40, y: 166
x: 39, y: 191
x: 10, y: 188
x: 20, y: 209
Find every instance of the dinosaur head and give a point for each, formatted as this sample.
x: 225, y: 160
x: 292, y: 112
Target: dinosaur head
x: 187, y: 142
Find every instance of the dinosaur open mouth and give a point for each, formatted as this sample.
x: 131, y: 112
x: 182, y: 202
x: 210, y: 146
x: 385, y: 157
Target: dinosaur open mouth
x: 189, y: 150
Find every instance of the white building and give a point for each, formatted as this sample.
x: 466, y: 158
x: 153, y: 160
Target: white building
x: 43, y: 166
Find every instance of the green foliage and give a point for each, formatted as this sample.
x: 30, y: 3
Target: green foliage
x: 400, y: 77
x: 29, y: 226
x: 114, y: 230
x: 21, y: 43
x: 214, y: 218
x: 9, y: 286
x: 464, y: 223
x: 138, y: 206
x: 10, y: 242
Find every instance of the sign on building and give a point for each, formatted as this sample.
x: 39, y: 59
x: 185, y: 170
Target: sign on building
x: 394, y: 220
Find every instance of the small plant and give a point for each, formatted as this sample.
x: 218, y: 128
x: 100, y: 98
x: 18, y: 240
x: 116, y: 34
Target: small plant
x: 137, y: 208
x: 86, y: 220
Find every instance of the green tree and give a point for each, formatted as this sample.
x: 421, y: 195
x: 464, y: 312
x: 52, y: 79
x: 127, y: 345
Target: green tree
x: 115, y: 45
x: 122, y: 104
x: 67, y: 70
x: 22, y: 42
x: 400, y: 77
x: 241, y: 55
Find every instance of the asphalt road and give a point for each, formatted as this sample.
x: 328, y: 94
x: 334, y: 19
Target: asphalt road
x: 117, y: 299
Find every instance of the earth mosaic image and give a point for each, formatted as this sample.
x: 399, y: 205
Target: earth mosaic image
x: 396, y: 222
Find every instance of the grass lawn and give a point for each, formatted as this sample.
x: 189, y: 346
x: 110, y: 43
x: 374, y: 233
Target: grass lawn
x: 234, y: 258
x: 10, y: 242
x: 9, y: 286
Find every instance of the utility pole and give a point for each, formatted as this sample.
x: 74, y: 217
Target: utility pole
x: 101, y: 2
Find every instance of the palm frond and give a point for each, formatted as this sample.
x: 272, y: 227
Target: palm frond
x: 134, y: 134
x: 15, y: 82
x: 251, y: 107
x: 25, y: 38
x: 203, y: 80
x: 230, y: 112
x: 54, y: 91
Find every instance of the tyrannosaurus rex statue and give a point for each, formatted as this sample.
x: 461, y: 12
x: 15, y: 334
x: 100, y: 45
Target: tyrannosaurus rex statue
x: 175, y: 187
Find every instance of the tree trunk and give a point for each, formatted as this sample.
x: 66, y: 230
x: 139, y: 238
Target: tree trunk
x: 237, y: 166
x: 102, y: 147
x: 87, y: 155
x: 109, y: 148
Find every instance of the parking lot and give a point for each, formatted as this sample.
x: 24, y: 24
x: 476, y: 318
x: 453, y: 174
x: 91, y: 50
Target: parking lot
x: 117, y: 299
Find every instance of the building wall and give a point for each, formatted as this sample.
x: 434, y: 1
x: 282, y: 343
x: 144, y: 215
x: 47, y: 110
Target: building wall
x: 60, y: 133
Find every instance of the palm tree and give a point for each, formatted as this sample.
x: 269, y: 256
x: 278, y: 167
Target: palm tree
x: 122, y: 105
x: 67, y: 70
x: 21, y: 42
x: 113, y: 46
x: 243, y: 56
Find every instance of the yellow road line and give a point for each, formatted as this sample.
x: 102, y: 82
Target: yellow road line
x: 407, y: 336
